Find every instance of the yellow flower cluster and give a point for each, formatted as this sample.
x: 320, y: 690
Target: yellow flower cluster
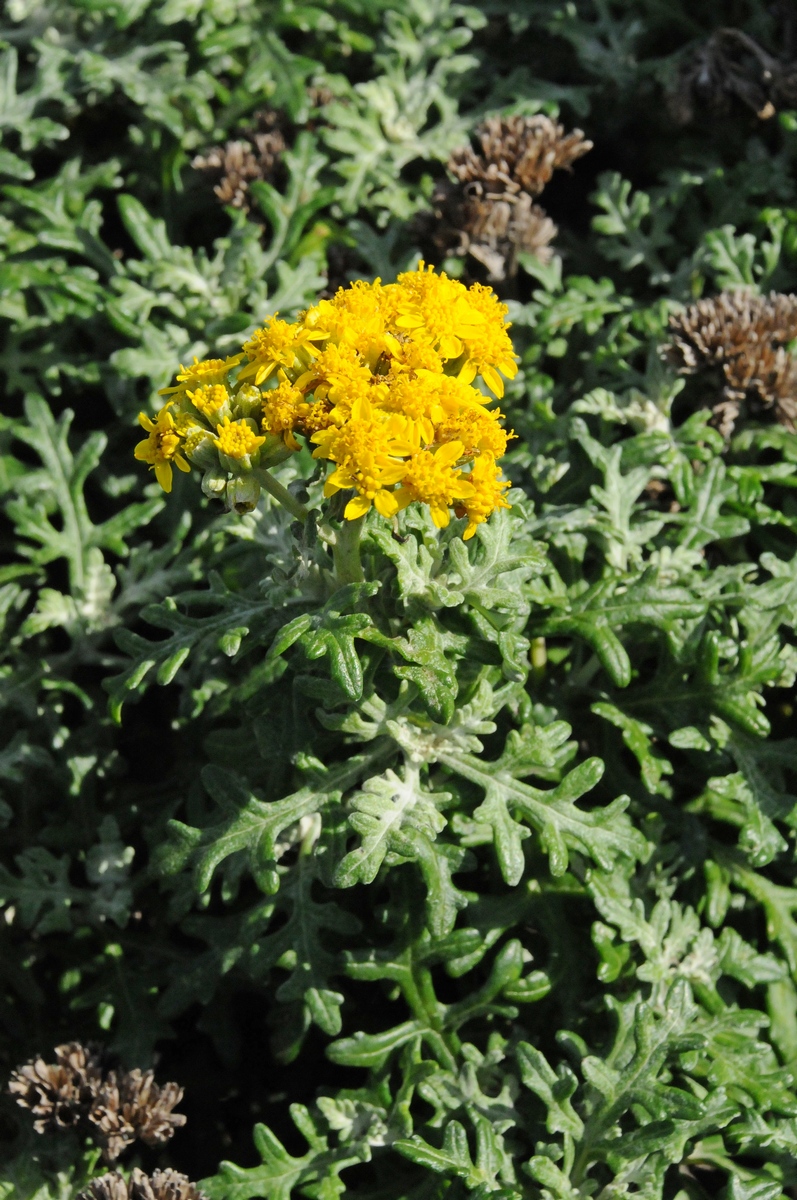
x: 378, y: 380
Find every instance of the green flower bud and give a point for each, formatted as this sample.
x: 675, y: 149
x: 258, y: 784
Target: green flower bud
x: 214, y: 483
x: 242, y: 494
x: 247, y: 401
x: 200, y: 449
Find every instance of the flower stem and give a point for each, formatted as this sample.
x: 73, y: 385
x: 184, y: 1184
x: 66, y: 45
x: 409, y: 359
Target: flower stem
x: 346, y: 552
x: 282, y: 495
x: 539, y: 657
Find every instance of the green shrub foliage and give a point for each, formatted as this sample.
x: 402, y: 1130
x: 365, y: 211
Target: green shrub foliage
x: 475, y: 878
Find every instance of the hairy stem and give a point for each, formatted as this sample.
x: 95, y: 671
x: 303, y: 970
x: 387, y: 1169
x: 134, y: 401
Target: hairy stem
x: 346, y: 552
x: 282, y: 495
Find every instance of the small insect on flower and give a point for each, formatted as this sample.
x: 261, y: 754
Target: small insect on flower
x: 162, y: 447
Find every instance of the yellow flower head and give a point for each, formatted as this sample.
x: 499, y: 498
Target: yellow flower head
x: 279, y: 344
x: 356, y: 315
x: 202, y: 374
x: 237, y: 439
x: 283, y: 409
x: 161, y: 447
x: 338, y: 374
x: 363, y: 452
x: 406, y: 355
x: 479, y: 431
x: 379, y: 379
x: 487, y: 494
x: 488, y: 346
x: 314, y: 418
x: 436, y: 311
x: 416, y: 399
x: 209, y: 399
x: 432, y: 478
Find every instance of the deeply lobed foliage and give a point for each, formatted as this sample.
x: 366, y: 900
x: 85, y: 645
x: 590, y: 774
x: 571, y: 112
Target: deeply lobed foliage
x: 474, y: 875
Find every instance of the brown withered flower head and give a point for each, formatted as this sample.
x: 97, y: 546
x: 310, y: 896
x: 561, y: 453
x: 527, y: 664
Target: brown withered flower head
x: 78, y: 1091
x: 130, y: 1106
x: 161, y: 1185
x: 59, y: 1094
x: 746, y: 336
x: 488, y: 213
x: 518, y: 153
x: 730, y: 66
x: 238, y: 163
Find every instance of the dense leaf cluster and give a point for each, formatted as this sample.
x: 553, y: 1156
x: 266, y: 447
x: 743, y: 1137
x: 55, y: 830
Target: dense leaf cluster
x: 475, y: 877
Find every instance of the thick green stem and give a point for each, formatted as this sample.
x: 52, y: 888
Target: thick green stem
x: 346, y: 552
x: 281, y: 494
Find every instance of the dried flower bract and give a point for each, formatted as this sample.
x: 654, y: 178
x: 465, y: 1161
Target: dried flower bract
x: 518, y: 153
x: 747, y: 336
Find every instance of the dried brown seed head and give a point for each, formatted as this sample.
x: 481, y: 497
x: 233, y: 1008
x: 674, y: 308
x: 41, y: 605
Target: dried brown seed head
x: 489, y: 212
x: 131, y: 1105
x: 59, y: 1094
x: 112, y: 1186
x: 494, y: 229
x: 746, y: 336
x: 242, y: 161
x: 518, y: 153
x: 319, y: 95
x: 161, y: 1185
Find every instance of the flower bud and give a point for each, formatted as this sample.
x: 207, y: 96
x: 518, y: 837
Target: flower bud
x: 200, y: 450
x: 248, y: 401
x: 273, y: 451
x: 214, y: 483
x: 243, y: 494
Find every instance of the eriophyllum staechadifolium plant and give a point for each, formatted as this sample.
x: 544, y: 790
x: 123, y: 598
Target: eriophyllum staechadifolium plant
x: 457, y: 858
